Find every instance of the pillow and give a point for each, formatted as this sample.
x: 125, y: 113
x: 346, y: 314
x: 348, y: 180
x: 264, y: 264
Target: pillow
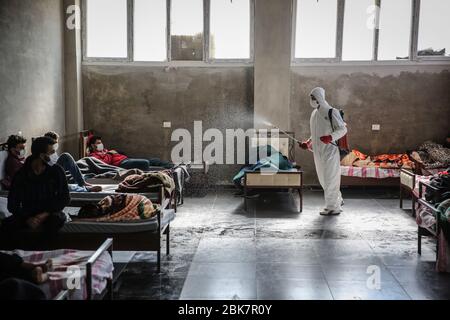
x: 363, y: 163
x: 348, y: 160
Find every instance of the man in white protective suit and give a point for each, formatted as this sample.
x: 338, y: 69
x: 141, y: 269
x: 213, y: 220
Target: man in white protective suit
x: 326, y: 152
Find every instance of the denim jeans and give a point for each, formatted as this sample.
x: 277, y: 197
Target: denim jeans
x: 144, y: 164
x: 141, y: 164
x: 67, y: 162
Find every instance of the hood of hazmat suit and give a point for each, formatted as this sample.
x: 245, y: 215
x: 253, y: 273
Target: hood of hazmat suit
x: 326, y: 156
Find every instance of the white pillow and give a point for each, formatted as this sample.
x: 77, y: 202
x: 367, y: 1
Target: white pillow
x: 4, y: 213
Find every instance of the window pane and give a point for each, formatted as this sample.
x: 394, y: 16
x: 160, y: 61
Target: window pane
x: 150, y: 25
x: 107, y: 28
x: 434, y: 28
x: 316, y: 29
x: 187, y: 30
x: 358, y: 32
x: 395, y: 29
x: 230, y: 29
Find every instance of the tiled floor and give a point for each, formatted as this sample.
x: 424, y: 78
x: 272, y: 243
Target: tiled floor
x: 219, y: 251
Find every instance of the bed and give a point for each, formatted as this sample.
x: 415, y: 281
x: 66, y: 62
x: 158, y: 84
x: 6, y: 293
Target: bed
x: 143, y: 235
x: 410, y: 179
x: 76, y: 274
x: 179, y: 176
x: 274, y: 180
x: 358, y: 169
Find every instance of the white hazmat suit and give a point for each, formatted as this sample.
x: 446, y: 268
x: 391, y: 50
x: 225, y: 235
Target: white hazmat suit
x: 326, y: 156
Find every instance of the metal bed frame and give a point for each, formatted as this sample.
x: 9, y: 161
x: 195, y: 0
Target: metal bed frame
x: 108, y: 293
x: 298, y: 185
x: 434, y: 232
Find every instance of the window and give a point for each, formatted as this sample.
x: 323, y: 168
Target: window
x: 229, y: 29
x: 315, y: 35
x: 358, y: 34
x: 434, y: 28
x: 150, y: 30
x: 395, y: 29
x: 187, y: 30
x: 106, y: 29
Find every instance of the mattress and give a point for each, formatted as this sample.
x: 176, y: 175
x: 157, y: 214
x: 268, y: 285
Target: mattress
x: 150, y: 225
x: 369, y: 172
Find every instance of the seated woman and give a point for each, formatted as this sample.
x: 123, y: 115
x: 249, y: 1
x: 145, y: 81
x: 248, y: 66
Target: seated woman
x: 16, y: 157
x: 67, y: 162
x: 114, y: 158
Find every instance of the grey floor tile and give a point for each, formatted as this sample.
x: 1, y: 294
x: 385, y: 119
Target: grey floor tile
x: 213, y: 288
x: 358, y: 290
x: 292, y: 289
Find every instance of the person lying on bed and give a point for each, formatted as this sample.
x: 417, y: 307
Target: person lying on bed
x: 114, y: 158
x: 39, y: 191
x: 16, y: 157
x: 67, y: 162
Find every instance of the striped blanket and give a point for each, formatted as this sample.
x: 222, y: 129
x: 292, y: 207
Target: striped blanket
x: 69, y: 271
x: 369, y: 172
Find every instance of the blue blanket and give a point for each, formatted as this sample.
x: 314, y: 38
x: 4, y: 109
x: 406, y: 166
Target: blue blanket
x: 274, y: 161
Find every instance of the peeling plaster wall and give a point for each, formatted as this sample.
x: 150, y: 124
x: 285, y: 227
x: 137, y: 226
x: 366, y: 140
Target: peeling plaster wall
x: 31, y: 67
x: 127, y: 106
x: 411, y: 103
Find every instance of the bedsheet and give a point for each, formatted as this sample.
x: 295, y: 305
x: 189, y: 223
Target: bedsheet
x: 369, y: 172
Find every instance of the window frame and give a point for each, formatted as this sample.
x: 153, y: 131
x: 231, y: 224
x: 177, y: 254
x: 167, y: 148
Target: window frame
x: 414, y: 58
x: 207, y: 60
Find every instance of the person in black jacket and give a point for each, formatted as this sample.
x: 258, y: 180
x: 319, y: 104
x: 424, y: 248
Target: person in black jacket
x: 39, y: 191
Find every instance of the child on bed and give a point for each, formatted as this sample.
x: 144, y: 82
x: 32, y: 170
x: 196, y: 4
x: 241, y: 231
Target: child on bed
x: 114, y: 158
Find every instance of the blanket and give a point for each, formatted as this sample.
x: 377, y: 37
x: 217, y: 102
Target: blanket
x: 385, y: 161
x: 275, y: 161
x: 119, y: 208
x: 144, y: 182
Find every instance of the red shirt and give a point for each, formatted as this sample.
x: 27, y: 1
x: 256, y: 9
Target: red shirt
x: 108, y: 158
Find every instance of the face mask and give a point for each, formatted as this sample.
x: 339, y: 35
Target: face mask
x: 22, y: 153
x: 314, y: 103
x: 55, y: 146
x: 100, y: 147
x: 52, y: 159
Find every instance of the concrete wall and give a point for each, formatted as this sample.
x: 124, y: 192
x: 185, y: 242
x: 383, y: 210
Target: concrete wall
x: 128, y: 104
x: 31, y: 67
x: 124, y: 103
x: 411, y: 103
x: 72, y: 81
x: 272, y: 62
